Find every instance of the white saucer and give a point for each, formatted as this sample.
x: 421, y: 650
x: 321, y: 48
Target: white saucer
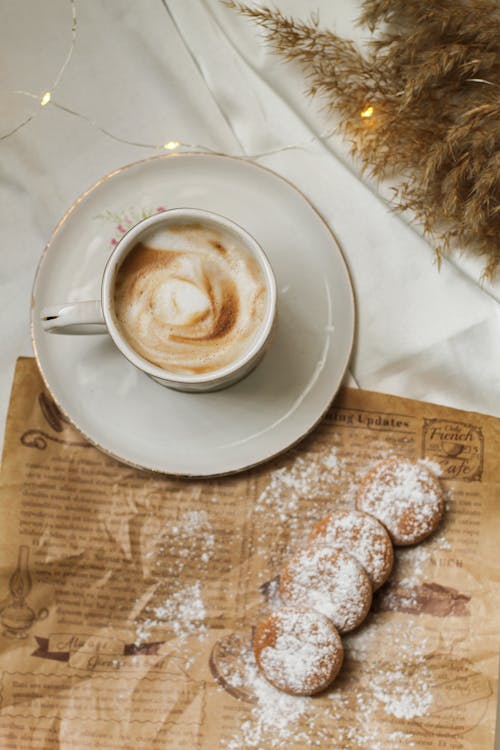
x: 139, y: 422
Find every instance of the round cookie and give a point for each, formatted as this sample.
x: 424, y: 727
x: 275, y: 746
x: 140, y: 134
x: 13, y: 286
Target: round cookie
x: 298, y: 651
x: 405, y: 496
x: 363, y: 537
x: 330, y: 581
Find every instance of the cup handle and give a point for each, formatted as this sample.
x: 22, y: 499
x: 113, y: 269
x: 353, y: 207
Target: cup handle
x: 77, y: 317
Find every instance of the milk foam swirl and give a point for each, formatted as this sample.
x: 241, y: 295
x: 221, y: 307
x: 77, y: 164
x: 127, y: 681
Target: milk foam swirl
x: 190, y: 298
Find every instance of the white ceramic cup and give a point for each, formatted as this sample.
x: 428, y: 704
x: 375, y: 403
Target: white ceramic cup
x: 97, y: 316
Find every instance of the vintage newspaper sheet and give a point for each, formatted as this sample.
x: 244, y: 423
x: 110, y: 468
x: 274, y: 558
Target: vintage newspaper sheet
x: 128, y: 599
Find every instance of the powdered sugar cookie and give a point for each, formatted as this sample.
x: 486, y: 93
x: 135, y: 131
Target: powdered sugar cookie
x: 298, y: 651
x: 405, y: 496
x: 363, y: 537
x: 330, y: 581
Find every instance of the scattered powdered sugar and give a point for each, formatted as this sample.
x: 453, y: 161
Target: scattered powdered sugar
x: 304, y: 651
x: 308, y: 477
x: 189, y: 536
x: 401, y: 682
x: 351, y: 715
x: 398, y: 679
x: 192, y: 521
x: 401, y: 695
x: 388, y: 681
x: 194, y: 528
x: 182, y: 613
x: 276, y: 716
x: 330, y: 581
x: 412, y: 562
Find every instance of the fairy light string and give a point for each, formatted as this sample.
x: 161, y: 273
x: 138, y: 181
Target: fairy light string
x: 48, y: 99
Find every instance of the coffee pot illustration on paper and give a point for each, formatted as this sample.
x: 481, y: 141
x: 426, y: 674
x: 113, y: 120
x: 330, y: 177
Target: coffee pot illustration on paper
x: 17, y: 616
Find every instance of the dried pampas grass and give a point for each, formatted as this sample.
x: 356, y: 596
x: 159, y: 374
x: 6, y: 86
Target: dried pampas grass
x: 422, y: 103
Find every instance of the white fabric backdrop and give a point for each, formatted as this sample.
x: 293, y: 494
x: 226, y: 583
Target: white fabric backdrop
x: 126, y: 77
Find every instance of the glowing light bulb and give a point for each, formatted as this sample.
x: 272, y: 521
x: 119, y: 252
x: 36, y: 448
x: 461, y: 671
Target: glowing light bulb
x: 171, y: 145
x: 367, y: 112
x: 45, y: 98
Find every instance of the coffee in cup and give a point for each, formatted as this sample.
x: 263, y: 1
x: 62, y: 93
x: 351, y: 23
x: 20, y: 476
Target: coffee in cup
x: 187, y: 296
x: 190, y: 297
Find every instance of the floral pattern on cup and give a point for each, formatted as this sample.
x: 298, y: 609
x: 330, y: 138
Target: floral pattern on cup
x: 126, y: 220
